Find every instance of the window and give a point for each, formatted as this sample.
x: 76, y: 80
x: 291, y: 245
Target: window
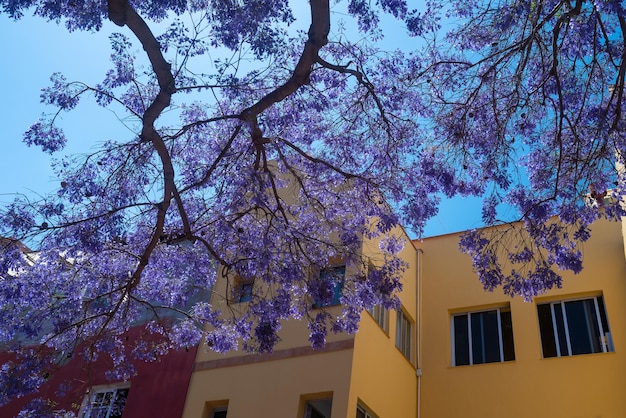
x: 105, y: 403
x: 219, y: 413
x: 330, y: 286
x: 242, y: 289
x: 318, y: 408
x: 574, y: 327
x: 245, y: 292
x: 482, y: 337
x: 378, y: 312
x: 361, y: 412
x: 380, y: 316
x: 215, y: 409
x: 404, y: 334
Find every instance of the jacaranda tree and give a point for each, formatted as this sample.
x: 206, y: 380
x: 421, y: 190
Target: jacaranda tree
x: 518, y: 102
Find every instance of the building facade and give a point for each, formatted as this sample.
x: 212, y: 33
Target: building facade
x: 452, y: 350
x: 369, y: 374
x: 158, y: 389
x: 470, y: 353
x: 487, y: 355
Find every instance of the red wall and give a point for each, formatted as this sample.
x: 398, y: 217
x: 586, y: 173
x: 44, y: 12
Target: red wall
x: 157, y: 390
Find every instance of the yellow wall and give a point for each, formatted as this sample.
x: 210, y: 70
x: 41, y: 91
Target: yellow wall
x: 272, y: 388
x: 383, y: 380
x: 272, y: 385
x: 590, y: 385
x: 365, y: 368
x: 292, y: 334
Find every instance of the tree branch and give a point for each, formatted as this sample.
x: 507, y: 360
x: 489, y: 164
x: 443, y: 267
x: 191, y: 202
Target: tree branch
x: 121, y: 13
x: 318, y: 37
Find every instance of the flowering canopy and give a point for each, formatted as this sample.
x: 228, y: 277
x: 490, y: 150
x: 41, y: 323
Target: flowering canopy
x: 521, y: 103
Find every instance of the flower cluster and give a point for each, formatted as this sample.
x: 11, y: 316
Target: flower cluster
x: 276, y: 162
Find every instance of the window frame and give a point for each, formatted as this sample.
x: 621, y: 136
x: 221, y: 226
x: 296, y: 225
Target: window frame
x: 89, y: 398
x: 242, y: 290
x: 560, y: 327
x: 311, y: 407
x: 245, y: 290
x: 338, y: 285
x: 468, y: 314
x: 404, y: 338
x: 380, y: 315
x: 366, y: 412
x: 216, y: 411
x: 212, y: 408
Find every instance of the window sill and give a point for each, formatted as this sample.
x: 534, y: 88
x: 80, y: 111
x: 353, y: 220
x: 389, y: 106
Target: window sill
x: 495, y: 363
x: 579, y: 355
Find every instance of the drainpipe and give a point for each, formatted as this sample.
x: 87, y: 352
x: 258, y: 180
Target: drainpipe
x: 624, y: 233
x: 418, y: 372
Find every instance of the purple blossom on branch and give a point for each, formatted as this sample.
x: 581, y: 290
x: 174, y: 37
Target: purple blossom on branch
x: 273, y: 163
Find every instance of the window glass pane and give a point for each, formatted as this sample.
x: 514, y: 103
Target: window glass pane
x: 605, y: 322
x: 107, y: 404
x: 507, y: 335
x: 546, y: 330
x: 318, y: 408
x: 338, y: 276
x: 560, y: 328
x: 461, y: 340
x: 582, y: 324
x: 593, y: 323
x: 380, y: 315
x: 403, y: 334
x: 360, y: 413
x: 117, y: 407
x: 399, y: 325
x: 606, y: 338
x: 382, y: 318
x: 406, y: 347
x: 245, y: 292
x: 485, y: 338
x: 219, y: 414
x: 334, y: 277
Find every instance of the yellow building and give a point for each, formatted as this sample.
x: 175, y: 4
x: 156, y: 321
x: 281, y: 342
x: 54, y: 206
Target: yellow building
x: 369, y: 374
x: 453, y: 351
x: 487, y: 355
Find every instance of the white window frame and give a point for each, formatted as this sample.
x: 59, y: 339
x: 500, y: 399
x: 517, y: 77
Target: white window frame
x: 404, y: 340
x: 606, y: 341
x: 468, y: 315
x: 381, y: 316
x: 365, y: 411
x: 89, y: 398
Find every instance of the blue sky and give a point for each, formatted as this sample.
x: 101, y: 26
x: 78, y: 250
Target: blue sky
x: 34, y: 49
